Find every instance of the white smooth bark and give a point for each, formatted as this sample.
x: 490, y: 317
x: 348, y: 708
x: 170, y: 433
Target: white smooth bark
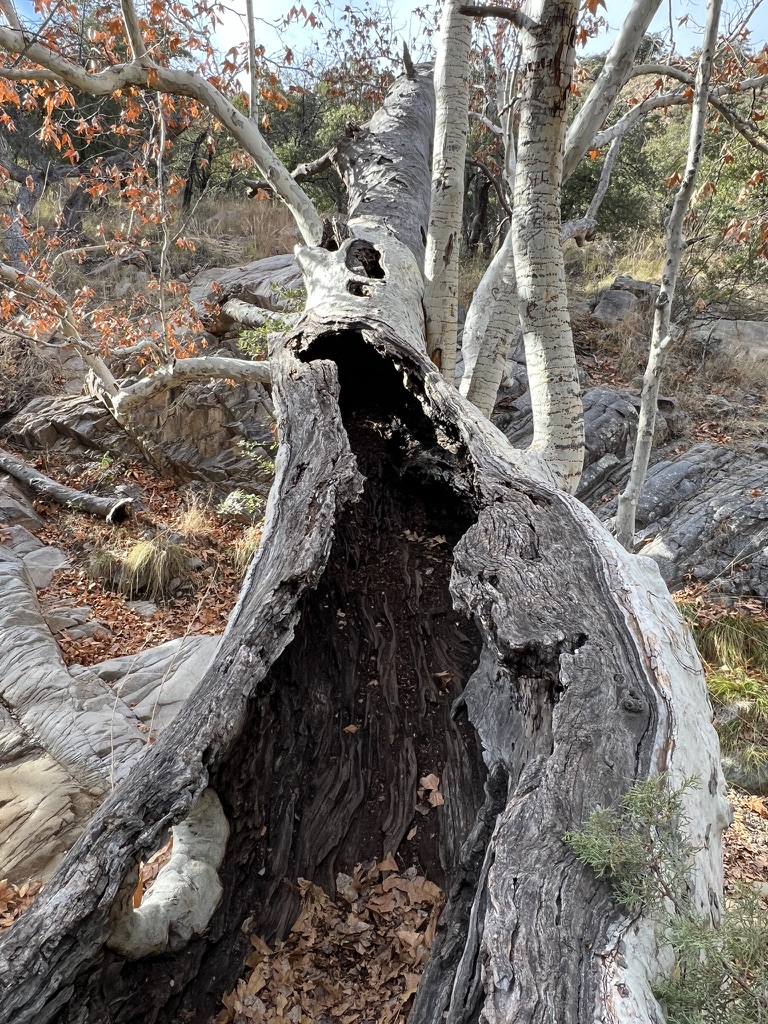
x: 186, y: 892
x: 492, y: 320
x: 145, y: 74
x: 441, y: 262
x: 616, y: 71
x: 660, y: 340
x: 253, y: 106
x: 547, y: 61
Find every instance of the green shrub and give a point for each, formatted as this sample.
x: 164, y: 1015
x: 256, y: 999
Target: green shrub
x: 720, y: 975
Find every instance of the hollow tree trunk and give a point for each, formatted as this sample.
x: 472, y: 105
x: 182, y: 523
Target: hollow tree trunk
x: 422, y: 581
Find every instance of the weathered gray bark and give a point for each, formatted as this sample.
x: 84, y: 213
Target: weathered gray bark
x: 582, y: 680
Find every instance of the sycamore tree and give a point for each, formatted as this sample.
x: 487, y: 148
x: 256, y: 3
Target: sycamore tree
x: 425, y: 599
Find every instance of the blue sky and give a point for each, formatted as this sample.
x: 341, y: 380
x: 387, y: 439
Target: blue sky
x: 685, y: 37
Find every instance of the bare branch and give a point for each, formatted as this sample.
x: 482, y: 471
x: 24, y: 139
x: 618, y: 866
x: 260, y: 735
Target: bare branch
x: 410, y: 70
x: 300, y: 173
x: 605, y: 178
x: 188, y: 371
x: 678, y: 98
x: 662, y: 70
x: 580, y: 231
x: 6, y: 6
x: 253, y: 105
x: 741, y: 124
x: 485, y: 121
x: 616, y: 70
x: 179, y: 83
x: 245, y: 313
x: 133, y: 30
x: 518, y: 18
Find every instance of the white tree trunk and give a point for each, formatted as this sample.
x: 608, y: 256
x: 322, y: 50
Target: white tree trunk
x: 615, y: 72
x: 661, y: 337
x: 492, y: 321
x: 253, y: 104
x: 441, y: 261
x: 547, y: 60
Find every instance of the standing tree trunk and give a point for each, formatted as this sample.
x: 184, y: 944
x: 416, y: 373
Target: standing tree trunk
x: 547, y: 65
x: 529, y: 661
x: 661, y: 337
x: 441, y: 263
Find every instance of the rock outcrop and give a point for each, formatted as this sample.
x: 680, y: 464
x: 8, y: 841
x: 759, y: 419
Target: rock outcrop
x: 67, y: 735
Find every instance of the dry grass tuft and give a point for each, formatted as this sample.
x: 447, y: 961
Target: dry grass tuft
x: 195, y: 522
x: 154, y: 569
x: 245, y: 547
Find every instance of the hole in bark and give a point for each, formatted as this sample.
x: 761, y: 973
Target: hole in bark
x: 364, y: 258
x: 358, y: 288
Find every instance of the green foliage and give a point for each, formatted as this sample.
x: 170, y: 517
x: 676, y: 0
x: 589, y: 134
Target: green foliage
x: 265, y: 464
x: 240, y: 504
x: 734, y: 649
x: 306, y: 128
x: 633, y: 201
x: 254, y: 341
x: 720, y: 975
x: 641, y: 845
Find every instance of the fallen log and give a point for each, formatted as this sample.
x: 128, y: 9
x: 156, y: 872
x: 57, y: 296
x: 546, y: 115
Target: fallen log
x: 111, y: 508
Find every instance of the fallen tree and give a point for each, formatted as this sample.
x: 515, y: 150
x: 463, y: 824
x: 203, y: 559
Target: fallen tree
x: 113, y: 509
x: 425, y: 598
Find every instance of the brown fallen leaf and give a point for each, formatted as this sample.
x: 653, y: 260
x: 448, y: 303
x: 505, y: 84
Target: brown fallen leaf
x: 758, y: 805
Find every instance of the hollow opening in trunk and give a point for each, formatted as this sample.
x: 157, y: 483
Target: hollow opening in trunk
x: 326, y: 771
